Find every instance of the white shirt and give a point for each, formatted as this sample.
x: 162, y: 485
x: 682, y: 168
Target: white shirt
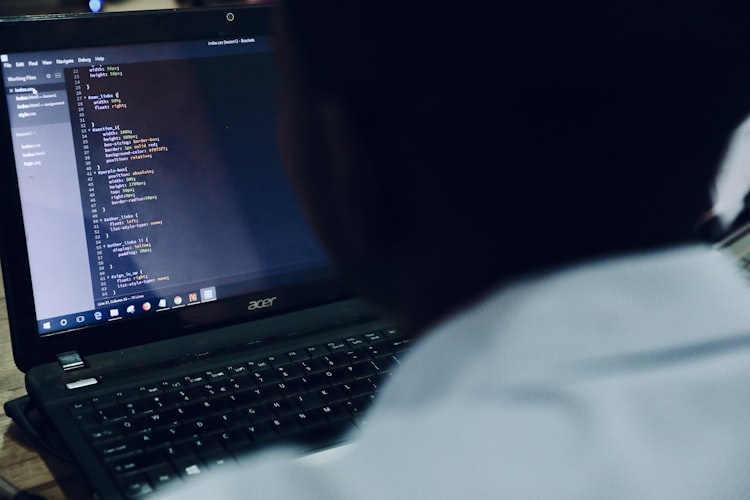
x: 621, y: 379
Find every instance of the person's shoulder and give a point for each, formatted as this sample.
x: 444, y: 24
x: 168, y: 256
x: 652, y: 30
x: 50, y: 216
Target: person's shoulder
x: 584, y: 393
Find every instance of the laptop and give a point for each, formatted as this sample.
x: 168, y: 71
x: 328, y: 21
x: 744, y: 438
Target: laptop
x: 169, y: 305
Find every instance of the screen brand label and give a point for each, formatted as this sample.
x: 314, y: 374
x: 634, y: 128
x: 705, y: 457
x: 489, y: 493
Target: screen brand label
x: 254, y: 305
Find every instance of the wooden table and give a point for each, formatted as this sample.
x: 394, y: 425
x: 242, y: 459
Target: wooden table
x: 19, y: 462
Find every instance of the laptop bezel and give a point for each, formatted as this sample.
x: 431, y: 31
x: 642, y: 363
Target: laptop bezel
x: 90, y: 30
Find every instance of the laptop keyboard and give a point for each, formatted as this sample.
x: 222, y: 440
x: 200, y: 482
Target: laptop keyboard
x: 155, y: 436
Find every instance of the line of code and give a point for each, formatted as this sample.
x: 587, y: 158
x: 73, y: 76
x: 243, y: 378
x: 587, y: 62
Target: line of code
x: 120, y: 237
x: 180, y: 173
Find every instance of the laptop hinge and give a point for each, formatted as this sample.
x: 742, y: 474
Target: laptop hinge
x: 70, y: 360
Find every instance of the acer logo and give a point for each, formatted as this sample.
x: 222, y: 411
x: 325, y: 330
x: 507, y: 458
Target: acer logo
x: 260, y: 304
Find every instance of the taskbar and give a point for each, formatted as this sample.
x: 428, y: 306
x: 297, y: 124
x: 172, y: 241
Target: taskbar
x: 118, y: 310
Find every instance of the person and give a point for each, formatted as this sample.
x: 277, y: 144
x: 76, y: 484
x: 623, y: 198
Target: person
x: 519, y: 184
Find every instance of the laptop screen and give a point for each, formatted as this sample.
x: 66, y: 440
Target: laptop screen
x: 150, y: 180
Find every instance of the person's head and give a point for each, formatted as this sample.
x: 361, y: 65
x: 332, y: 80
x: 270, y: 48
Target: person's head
x: 441, y: 149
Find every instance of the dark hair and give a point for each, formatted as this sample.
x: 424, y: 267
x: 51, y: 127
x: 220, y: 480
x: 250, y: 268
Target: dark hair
x: 600, y: 124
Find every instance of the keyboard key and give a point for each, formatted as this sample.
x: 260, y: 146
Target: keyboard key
x: 137, y: 408
x: 215, y: 389
x: 223, y: 403
x: 361, y: 370
x: 135, y: 486
x: 102, y: 434
x: 111, y: 414
x: 136, y: 463
x: 290, y: 372
x: 151, y: 440
x: 80, y: 407
x: 151, y: 389
x: 257, y: 365
x: 163, y: 476
x: 189, y: 395
x: 232, y: 420
x: 168, y: 418
x: 356, y: 388
x: 300, y: 355
x: 195, y: 379
x: 209, y: 444
x: 216, y: 375
x: 180, y: 433
x: 85, y: 420
x: 138, y: 424
x: 242, y: 382
x: 336, y: 376
x: 313, y: 366
x: 103, y: 400
x: 314, y: 382
x: 195, y: 410
x: 377, y: 385
x: 213, y: 460
x: 172, y: 384
x: 244, y: 399
x: 375, y: 337
x: 356, y: 342
x: 309, y: 400
x: 332, y: 394
x: 176, y: 450
x: 284, y: 407
x: 117, y: 448
x: 337, y: 360
x: 259, y: 433
x: 200, y: 427
x: 329, y: 362
x: 357, y: 406
x: 214, y: 405
x: 400, y: 345
x: 277, y: 361
x: 355, y: 356
x: 309, y: 420
x: 236, y: 442
x: 379, y: 350
x: 316, y: 351
x: 346, y: 373
x: 265, y: 394
x: 290, y: 388
x: 266, y: 376
x: 237, y: 369
x: 285, y: 426
x: 335, y: 413
x: 188, y: 465
x: 163, y: 401
x: 393, y: 332
x: 258, y: 413
x: 384, y: 365
x: 337, y: 346
x: 156, y: 438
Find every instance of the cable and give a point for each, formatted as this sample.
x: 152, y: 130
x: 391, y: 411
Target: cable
x: 18, y: 410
